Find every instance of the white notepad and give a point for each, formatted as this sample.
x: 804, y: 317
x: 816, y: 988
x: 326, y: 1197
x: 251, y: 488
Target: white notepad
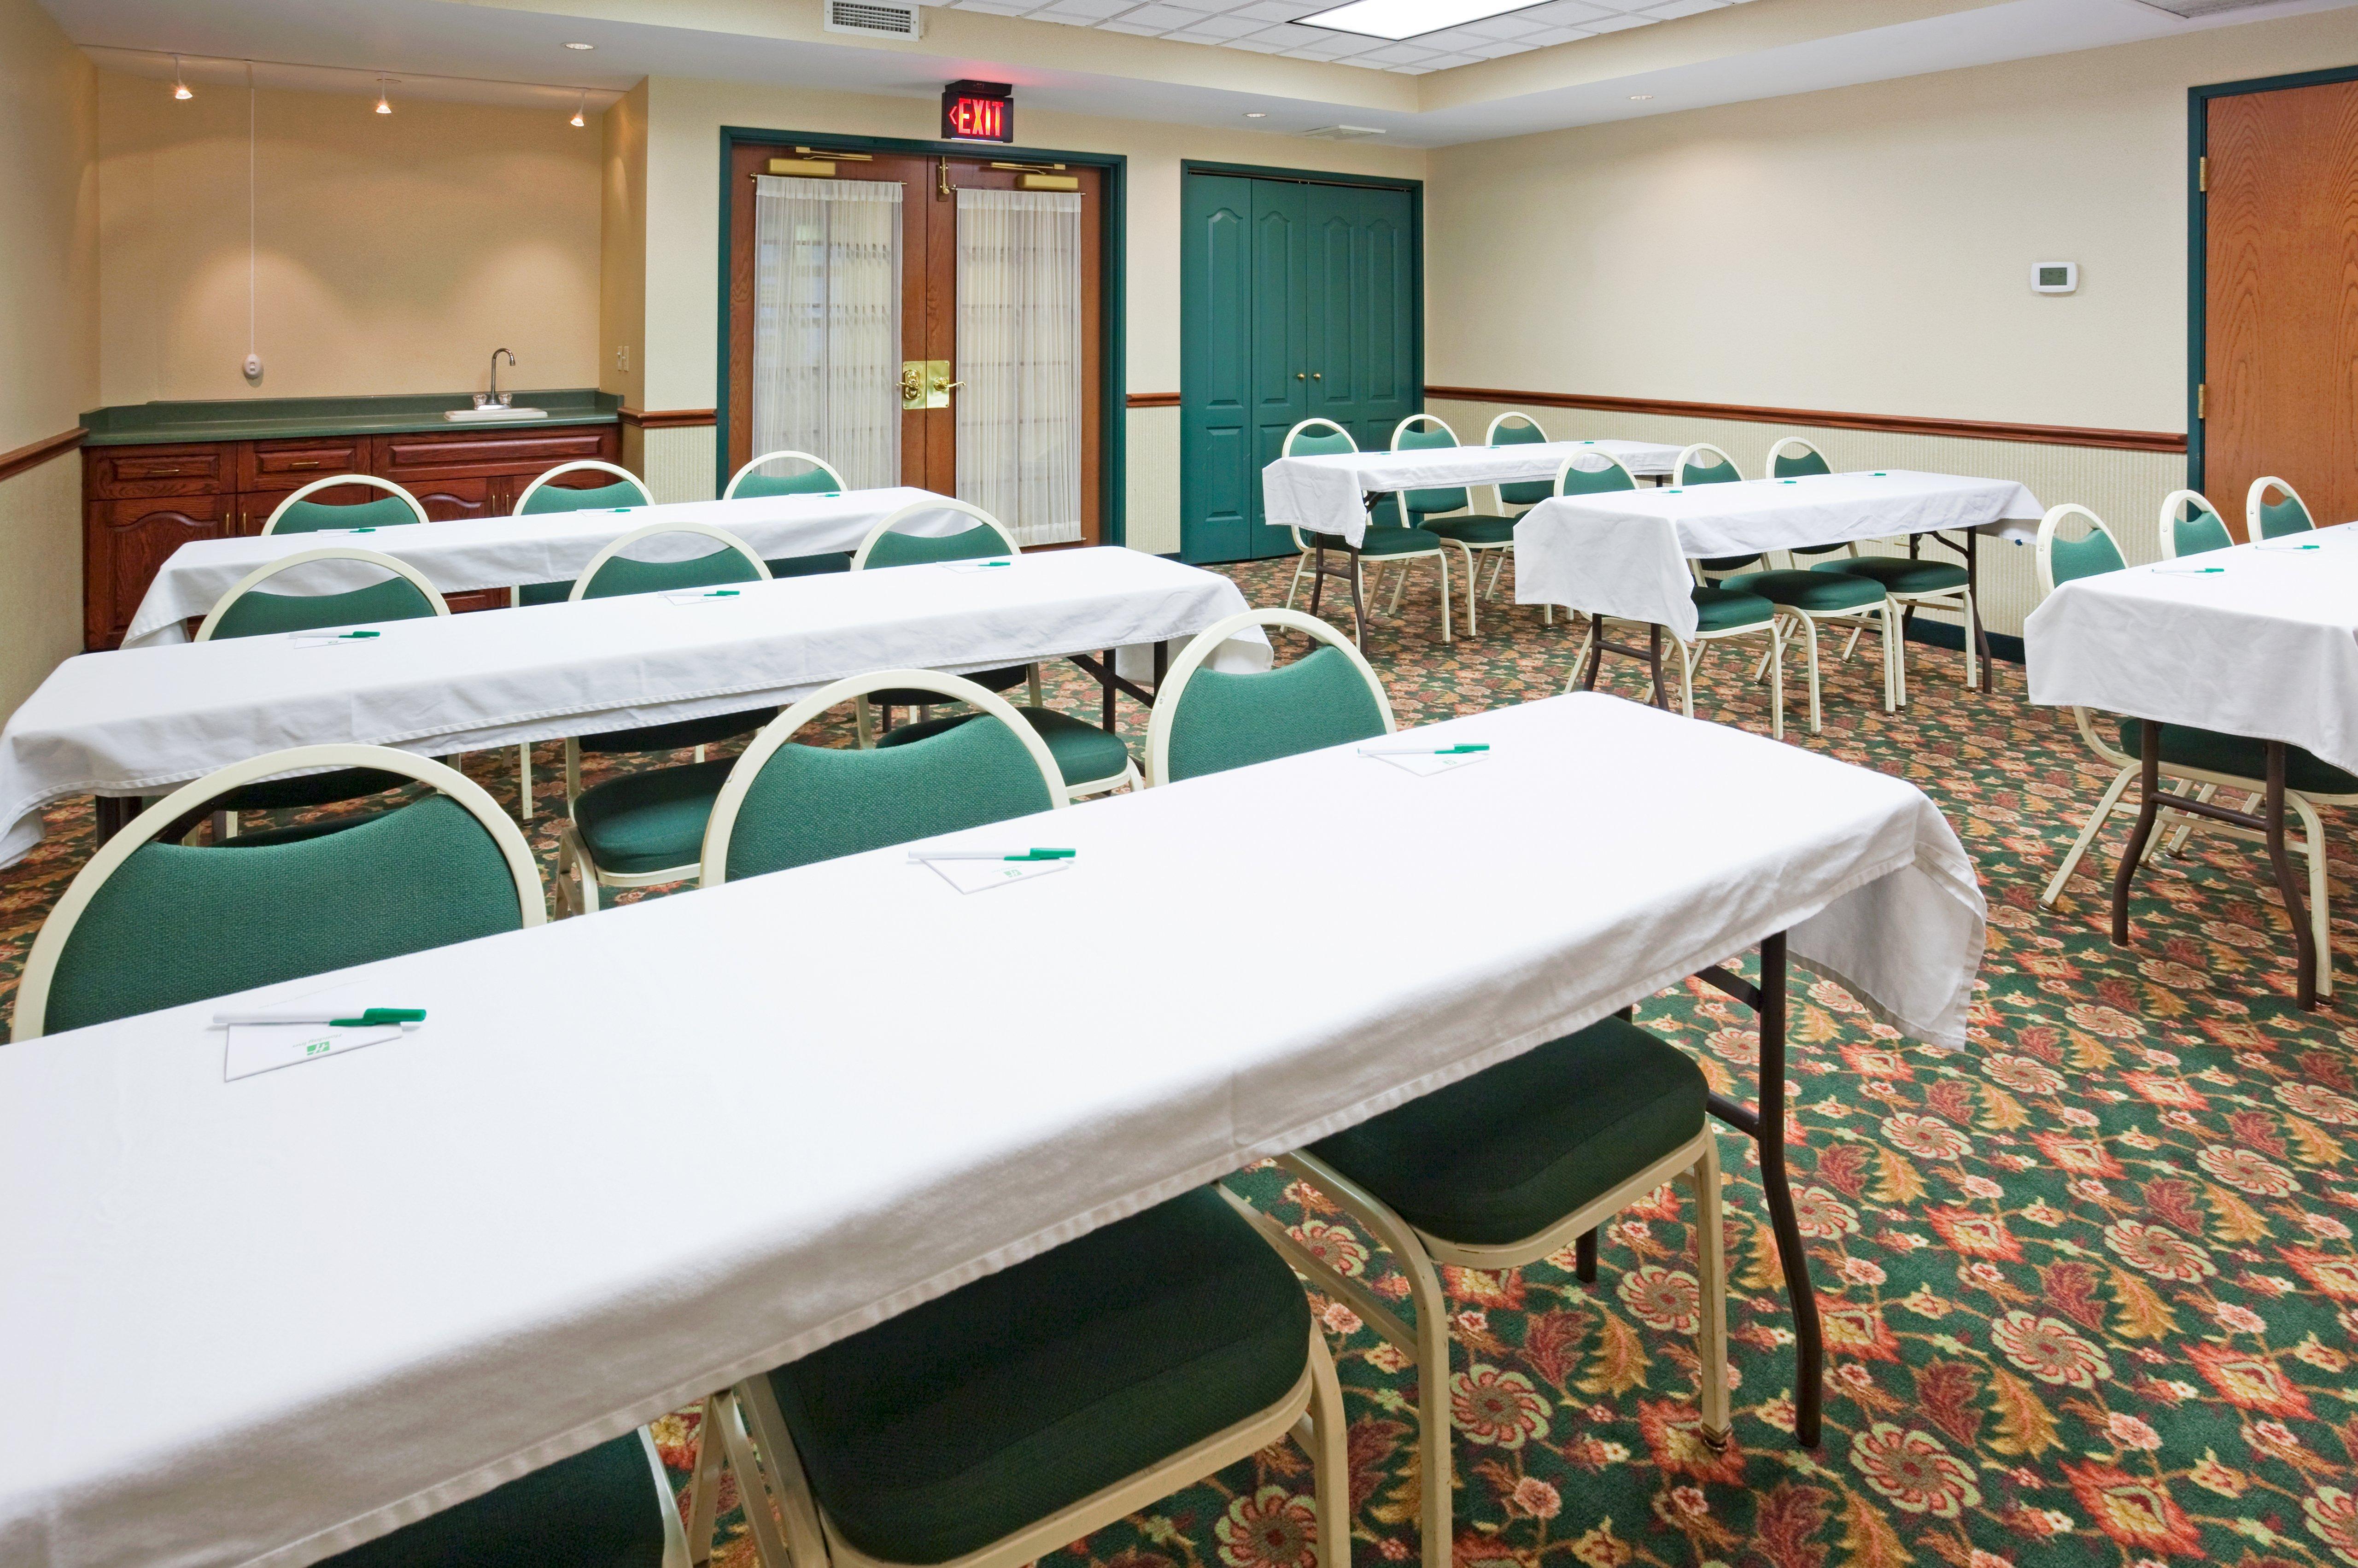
x: 981, y: 876
x: 1425, y: 764
x: 265, y: 1047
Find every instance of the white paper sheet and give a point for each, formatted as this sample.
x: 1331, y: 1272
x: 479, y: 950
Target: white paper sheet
x: 467, y: 554
x: 266, y: 1048
x: 2266, y: 647
x: 488, y: 1264
x: 139, y: 720
x: 1329, y: 495
x: 1625, y: 553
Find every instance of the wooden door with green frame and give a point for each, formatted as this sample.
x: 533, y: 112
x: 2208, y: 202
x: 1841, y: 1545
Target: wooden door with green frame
x: 1301, y: 296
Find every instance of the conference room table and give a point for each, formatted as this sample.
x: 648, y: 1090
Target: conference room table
x: 137, y: 721
x: 630, y: 1160
x: 464, y: 555
x: 2260, y: 640
x: 1624, y: 554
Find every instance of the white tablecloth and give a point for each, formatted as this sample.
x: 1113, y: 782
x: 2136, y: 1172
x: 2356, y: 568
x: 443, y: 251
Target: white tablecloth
x: 631, y: 1158
x: 1625, y: 553
x: 2266, y: 647
x: 473, y: 553
x: 139, y: 719
x: 1329, y: 495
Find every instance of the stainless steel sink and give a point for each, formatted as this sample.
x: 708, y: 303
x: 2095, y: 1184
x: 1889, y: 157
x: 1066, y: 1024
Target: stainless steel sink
x: 491, y: 414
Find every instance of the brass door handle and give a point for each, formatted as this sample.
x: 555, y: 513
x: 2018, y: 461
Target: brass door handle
x: 948, y: 385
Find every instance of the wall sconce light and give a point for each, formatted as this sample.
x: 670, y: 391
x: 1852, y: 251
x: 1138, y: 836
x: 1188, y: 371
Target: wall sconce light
x: 180, y: 87
x: 578, y: 108
x: 384, y: 105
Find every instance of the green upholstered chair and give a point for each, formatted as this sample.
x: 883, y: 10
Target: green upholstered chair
x: 1386, y: 540
x: 247, y: 610
x: 1808, y: 599
x: 817, y: 477
x: 1094, y: 759
x: 299, y: 513
x: 2191, y: 526
x: 2265, y: 519
x: 1207, y: 721
x: 610, y: 1507
x: 1908, y: 582
x: 612, y: 574
x: 275, y: 906
x: 1515, y: 428
x: 1720, y: 612
x: 992, y: 1425
x: 624, y: 492
x: 2203, y: 761
x: 787, y: 805
x: 1470, y: 531
x: 1500, y: 1169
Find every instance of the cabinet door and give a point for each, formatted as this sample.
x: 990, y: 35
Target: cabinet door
x: 124, y: 543
x: 445, y: 498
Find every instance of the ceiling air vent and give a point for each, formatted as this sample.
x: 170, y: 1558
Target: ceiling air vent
x: 874, y: 20
x: 2193, y: 8
x: 1343, y: 132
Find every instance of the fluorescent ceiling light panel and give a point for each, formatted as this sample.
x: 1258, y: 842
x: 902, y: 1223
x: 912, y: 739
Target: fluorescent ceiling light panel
x: 1398, y: 19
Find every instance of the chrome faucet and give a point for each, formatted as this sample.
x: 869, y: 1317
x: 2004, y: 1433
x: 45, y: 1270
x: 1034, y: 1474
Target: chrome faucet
x: 495, y: 372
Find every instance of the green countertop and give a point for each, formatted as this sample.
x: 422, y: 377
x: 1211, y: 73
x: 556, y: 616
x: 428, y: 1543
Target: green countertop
x: 276, y: 418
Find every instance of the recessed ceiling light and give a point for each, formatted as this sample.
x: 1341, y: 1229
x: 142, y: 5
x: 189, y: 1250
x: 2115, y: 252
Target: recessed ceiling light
x: 1408, y: 18
x: 1256, y: 113
x: 1640, y: 97
x: 581, y: 45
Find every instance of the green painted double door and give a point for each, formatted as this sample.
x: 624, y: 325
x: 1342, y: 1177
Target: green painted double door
x: 1298, y: 300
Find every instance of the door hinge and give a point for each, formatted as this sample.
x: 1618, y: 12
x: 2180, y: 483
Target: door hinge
x: 2202, y: 174
x: 2202, y: 401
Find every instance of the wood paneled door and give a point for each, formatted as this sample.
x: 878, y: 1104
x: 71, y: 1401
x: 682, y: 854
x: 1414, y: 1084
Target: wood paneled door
x: 2280, y: 296
x: 929, y: 307
x: 1298, y: 299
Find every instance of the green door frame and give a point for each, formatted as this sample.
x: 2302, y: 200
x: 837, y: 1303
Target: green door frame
x: 1112, y: 395
x: 2197, y: 235
x: 1415, y: 189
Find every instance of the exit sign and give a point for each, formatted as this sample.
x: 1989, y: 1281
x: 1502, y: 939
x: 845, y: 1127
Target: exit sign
x: 979, y: 111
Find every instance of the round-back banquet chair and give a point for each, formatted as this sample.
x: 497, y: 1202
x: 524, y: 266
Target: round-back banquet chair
x: 270, y: 907
x: 1207, y: 721
x: 2265, y: 519
x: 2191, y: 526
x: 299, y: 513
x: 1470, y: 531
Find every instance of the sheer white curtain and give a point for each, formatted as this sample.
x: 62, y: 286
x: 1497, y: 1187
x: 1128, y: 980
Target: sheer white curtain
x: 827, y: 323
x: 1019, y: 335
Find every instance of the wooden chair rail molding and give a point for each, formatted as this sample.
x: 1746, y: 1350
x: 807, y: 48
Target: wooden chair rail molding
x: 667, y: 419
x: 34, y: 454
x: 1895, y: 424
x: 1154, y: 400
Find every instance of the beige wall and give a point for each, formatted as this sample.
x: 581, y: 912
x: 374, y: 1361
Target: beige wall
x: 1867, y: 249
x: 48, y: 334
x: 395, y: 251
x: 623, y: 251
x: 682, y: 228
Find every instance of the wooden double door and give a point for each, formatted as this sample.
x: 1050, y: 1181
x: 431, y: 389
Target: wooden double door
x: 929, y: 297
x: 1299, y: 299
x: 2280, y: 390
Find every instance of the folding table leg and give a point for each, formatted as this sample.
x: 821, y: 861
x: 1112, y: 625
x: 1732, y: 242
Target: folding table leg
x: 2288, y: 884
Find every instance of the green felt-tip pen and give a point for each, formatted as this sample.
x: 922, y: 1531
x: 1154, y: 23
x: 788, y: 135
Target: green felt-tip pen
x: 370, y: 1018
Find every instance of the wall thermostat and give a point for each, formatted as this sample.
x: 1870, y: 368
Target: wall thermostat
x: 2054, y: 278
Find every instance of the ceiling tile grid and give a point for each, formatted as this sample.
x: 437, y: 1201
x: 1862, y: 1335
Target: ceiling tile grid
x: 1273, y: 26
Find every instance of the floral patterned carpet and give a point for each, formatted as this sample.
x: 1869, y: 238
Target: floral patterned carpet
x: 2089, y: 1286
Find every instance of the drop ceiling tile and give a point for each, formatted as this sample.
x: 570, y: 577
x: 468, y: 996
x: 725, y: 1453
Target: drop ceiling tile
x: 1273, y: 26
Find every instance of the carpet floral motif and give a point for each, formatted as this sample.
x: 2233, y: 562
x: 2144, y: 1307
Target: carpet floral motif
x: 2089, y: 1286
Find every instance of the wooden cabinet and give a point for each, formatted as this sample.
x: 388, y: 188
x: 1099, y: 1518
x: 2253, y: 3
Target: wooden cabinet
x: 142, y: 502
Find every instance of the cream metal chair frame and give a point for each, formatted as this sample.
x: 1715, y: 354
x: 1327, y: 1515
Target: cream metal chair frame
x: 791, y: 1530
x: 2166, y: 527
x: 813, y: 458
x: 270, y: 525
x: 269, y: 569
x: 1499, y: 500
x: 1686, y: 454
x: 1858, y: 622
x: 1208, y: 642
x: 712, y: 870
x: 1305, y: 551
x: 865, y: 721
x: 2257, y: 494
x: 1362, y: 592
x: 584, y: 465
x: 1472, y: 577
x: 2205, y: 783
x: 41, y: 963
x: 580, y: 588
x: 1415, y: 1252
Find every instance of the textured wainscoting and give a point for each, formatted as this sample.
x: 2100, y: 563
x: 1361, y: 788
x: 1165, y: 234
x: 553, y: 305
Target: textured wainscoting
x: 2125, y: 488
x: 40, y: 593
x: 1151, y: 504
x: 675, y: 461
